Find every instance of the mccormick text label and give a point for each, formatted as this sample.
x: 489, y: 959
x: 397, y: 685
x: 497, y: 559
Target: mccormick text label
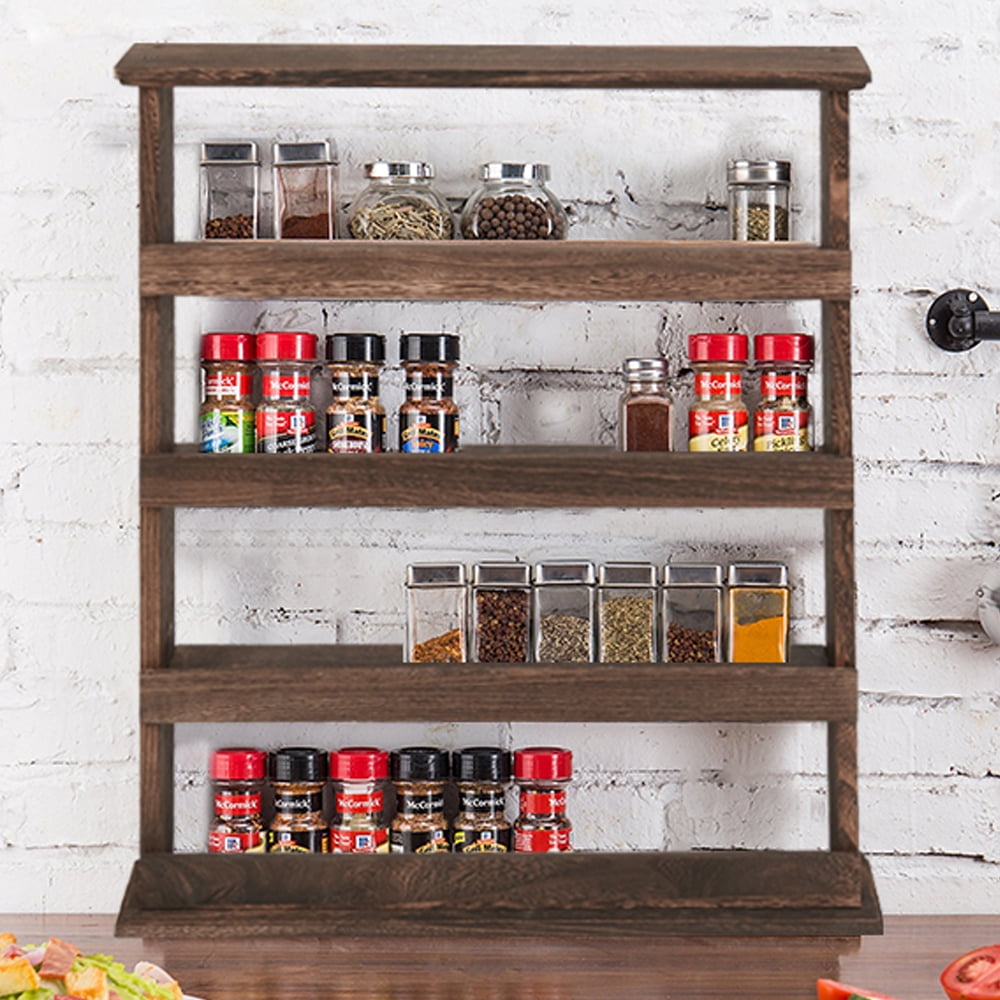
x: 542, y: 841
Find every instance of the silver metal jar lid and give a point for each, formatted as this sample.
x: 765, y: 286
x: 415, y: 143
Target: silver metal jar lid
x: 564, y: 572
x: 692, y: 575
x: 516, y: 171
x: 627, y: 575
x: 758, y: 575
x: 501, y: 574
x: 386, y: 168
x: 645, y: 369
x: 229, y: 153
x: 435, y: 575
x: 302, y: 153
x: 759, y: 172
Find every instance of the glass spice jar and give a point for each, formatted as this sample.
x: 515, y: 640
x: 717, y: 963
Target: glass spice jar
x: 757, y: 612
x: 501, y: 619
x: 626, y: 613
x: 286, y: 418
x: 399, y: 203
x: 230, y: 190
x: 542, y: 774
x: 645, y: 406
x: 298, y: 775
x: 359, y: 824
x: 435, y: 613
x: 237, y: 775
x: 717, y: 419
x: 305, y: 191
x: 226, y: 417
x: 482, y: 775
x: 783, y: 418
x: 419, y: 826
x: 758, y: 199
x: 514, y: 204
x: 564, y: 612
x: 428, y: 418
x: 355, y: 419
x: 692, y: 613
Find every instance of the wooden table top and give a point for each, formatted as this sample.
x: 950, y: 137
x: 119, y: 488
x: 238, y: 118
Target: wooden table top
x: 905, y: 963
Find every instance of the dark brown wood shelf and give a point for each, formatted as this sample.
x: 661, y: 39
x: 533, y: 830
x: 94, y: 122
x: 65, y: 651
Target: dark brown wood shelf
x: 639, y: 893
x: 317, y: 683
x: 563, y: 66
x: 499, y: 477
x: 570, y: 270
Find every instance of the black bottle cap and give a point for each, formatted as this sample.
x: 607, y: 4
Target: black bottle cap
x: 355, y: 347
x: 299, y: 764
x: 419, y: 764
x: 481, y: 764
x: 428, y: 347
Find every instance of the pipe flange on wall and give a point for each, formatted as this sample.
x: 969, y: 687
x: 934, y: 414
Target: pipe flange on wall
x: 959, y: 319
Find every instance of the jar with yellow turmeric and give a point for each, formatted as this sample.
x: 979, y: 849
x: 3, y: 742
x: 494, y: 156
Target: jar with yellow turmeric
x: 757, y: 613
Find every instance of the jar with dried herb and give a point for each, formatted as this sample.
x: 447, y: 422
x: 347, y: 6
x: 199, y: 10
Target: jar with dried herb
x: 564, y: 612
x: 482, y: 775
x: 514, y: 203
x: 436, y: 613
x: 355, y: 419
x: 626, y: 613
x: 692, y: 613
x: 757, y: 611
x: 419, y: 826
x: 230, y: 191
x: 542, y: 774
x: 286, y: 417
x: 501, y: 600
x: 758, y: 199
x: 399, y: 203
x: 227, y: 412
x: 783, y: 418
x: 359, y: 824
x: 298, y: 776
x: 237, y: 775
x: 428, y: 417
x: 645, y: 406
x: 717, y: 418
x: 305, y: 191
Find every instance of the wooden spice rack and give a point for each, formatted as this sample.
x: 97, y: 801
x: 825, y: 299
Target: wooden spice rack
x: 724, y: 892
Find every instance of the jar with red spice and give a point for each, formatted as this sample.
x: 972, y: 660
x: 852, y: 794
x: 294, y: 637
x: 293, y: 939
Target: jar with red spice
x: 237, y: 775
x: 359, y: 824
x: 542, y: 774
x: 286, y: 418
x: 717, y: 419
x: 783, y: 418
x: 226, y: 417
x: 645, y: 406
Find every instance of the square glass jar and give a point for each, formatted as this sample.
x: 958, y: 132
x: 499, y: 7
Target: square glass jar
x: 501, y: 613
x: 626, y: 613
x: 436, y: 613
x: 757, y: 613
x: 692, y: 613
x: 564, y: 612
x: 230, y: 191
x: 305, y: 191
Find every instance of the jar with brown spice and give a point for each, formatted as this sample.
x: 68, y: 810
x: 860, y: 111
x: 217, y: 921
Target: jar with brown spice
x: 717, y: 418
x: 227, y: 412
x: 501, y: 601
x: 783, y: 418
x: 355, y: 419
x: 230, y: 190
x: 542, y: 774
x: 482, y: 775
x: 286, y: 417
x: 237, y: 775
x: 645, y: 406
x: 514, y: 204
x: 428, y: 418
x: 305, y: 191
x: 435, y: 613
x: 419, y: 827
x: 692, y: 613
x: 359, y: 824
x: 298, y: 775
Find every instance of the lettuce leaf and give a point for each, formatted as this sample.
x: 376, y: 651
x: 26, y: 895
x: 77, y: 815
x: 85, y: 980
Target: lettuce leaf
x: 126, y: 984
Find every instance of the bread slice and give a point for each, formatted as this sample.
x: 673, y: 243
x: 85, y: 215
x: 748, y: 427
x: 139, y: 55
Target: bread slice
x: 89, y: 983
x: 6, y: 940
x: 17, y: 975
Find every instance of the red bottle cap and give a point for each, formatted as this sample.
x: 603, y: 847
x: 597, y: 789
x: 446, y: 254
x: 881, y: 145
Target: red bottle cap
x: 227, y: 347
x: 274, y: 346
x: 717, y: 347
x: 359, y: 764
x: 770, y: 347
x: 238, y: 764
x: 546, y: 763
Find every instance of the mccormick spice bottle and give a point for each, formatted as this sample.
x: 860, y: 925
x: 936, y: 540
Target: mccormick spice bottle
x: 542, y: 774
x: 227, y: 411
x: 783, y: 419
x: 359, y: 824
x: 428, y: 419
x: 717, y: 419
x: 304, y: 191
x: 286, y: 419
x: 419, y: 827
x: 298, y: 775
x: 758, y: 613
x: 355, y: 420
x: 237, y: 775
x: 482, y: 775
x: 645, y: 406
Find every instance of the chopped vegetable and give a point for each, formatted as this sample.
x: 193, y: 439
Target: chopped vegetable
x: 974, y: 975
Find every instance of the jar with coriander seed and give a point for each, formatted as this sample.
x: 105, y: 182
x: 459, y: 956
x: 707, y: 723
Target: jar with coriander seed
x: 626, y: 613
x: 564, y: 612
x: 399, y: 203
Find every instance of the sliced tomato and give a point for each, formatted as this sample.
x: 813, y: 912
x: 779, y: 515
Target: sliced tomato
x: 974, y: 976
x: 830, y: 989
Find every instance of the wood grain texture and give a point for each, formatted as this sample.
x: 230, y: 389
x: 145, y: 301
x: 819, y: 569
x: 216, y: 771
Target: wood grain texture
x: 569, y: 270
x: 759, y: 892
x: 486, y: 476
x: 835, y: 169
x: 315, y: 683
x: 650, y: 66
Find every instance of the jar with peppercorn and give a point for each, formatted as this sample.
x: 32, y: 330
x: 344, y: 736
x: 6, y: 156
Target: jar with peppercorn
x: 286, y: 418
x: 355, y: 419
x: 482, y: 775
x: 419, y: 827
x: 514, y: 204
x: 227, y: 411
x: 230, y: 190
x: 783, y: 418
x: 501, y: 600
x: 428, y: 418
x: 399, y: 203
x: 717, y: 419
x: 542, y: 774
x: 298, y: 775
x: 237, y: 775
x: 692, y: 613
x: 435, y: 613
x: 359, y: 824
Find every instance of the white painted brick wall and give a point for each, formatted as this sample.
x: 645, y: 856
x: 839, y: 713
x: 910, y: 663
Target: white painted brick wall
x: 925, y: 179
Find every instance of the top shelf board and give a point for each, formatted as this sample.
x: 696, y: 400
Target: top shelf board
x: 568, y: 66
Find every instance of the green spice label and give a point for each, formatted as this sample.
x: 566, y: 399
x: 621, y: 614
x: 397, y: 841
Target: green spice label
x: 228, y: 431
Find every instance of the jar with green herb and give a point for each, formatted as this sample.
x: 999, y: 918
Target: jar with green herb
x: 564, y: 612
x: 758, y: 199
x: 626, y: 613
x: 399, y: 203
